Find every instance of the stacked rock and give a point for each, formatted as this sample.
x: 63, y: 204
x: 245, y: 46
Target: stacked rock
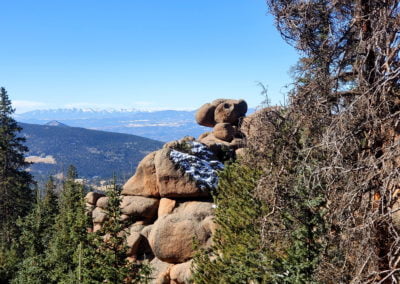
x: 169, y: 197
x: 225, y: 117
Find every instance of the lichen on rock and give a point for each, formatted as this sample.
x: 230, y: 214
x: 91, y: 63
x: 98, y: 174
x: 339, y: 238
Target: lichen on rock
x: 199, y: 164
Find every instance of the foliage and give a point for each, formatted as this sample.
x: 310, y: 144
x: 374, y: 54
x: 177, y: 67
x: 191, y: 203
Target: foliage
x: 70, y: 232
x: 37, y: 229
x: 16, y: 196
x: 9, y: 260
x: 237, y: 254
x: 15, y: 193
x: 105, y: 258
x: 330, y: 157
x: 293, y: 227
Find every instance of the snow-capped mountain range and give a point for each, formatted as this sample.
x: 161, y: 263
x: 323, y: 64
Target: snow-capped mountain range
x: 162, y: 125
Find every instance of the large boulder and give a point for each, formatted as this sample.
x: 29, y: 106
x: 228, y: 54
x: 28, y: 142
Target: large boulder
x: 144, y: 181
x: 189, y: 170
x: 183, y: 168
x: 139, y: 206
x: 171, y: 237
x: 205, y: 114
x: 230, y: 111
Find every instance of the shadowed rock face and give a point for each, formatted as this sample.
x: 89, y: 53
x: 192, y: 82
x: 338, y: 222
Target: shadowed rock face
x: 169, y: 195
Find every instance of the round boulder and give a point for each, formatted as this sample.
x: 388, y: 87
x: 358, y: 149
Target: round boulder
x: 171, y: 237
x: 205, y: 115
x: 230, y: 111
x: 139, y: 206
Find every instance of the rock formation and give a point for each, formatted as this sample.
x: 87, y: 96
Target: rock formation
x: 169, y: 197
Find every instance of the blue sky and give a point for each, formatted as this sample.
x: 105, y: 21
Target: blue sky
x: 146, y: 54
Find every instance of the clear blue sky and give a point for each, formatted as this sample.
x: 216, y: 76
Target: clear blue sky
x: 145, y: 54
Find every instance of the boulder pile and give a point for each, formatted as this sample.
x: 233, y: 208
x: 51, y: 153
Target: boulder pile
x: 225, y: 117
x: 168, y: 200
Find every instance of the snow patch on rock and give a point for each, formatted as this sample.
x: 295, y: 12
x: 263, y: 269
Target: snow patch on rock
x: 199, y: 163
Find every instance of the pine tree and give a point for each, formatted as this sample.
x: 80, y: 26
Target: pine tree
x: 105, y: 256
x: 16, y: 196
x: 37, y: 229
x: 70, y: 231
x: 237, y: 255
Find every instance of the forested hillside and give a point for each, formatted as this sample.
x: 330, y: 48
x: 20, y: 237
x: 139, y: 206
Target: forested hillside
x: 94, y: 153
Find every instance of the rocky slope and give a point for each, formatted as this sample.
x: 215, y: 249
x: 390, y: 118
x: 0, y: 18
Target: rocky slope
x: 169, y: 197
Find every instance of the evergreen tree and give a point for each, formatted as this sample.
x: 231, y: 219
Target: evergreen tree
x: 105, y: 257
x: 70, y: 231
x: 37, y: 229
x: 16, y: 196
x: 237, y: 255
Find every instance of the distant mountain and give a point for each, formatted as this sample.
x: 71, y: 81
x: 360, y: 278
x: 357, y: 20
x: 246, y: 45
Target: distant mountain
x: 56, y: 123
x: 165, y: 125
x: 96, y: 154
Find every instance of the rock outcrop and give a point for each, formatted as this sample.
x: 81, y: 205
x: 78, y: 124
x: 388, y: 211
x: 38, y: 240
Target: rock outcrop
x: 225, y: 116
x: 169, y: 200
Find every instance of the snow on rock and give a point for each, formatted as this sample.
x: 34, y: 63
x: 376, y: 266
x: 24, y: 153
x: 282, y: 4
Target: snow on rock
x: 199, y: 163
